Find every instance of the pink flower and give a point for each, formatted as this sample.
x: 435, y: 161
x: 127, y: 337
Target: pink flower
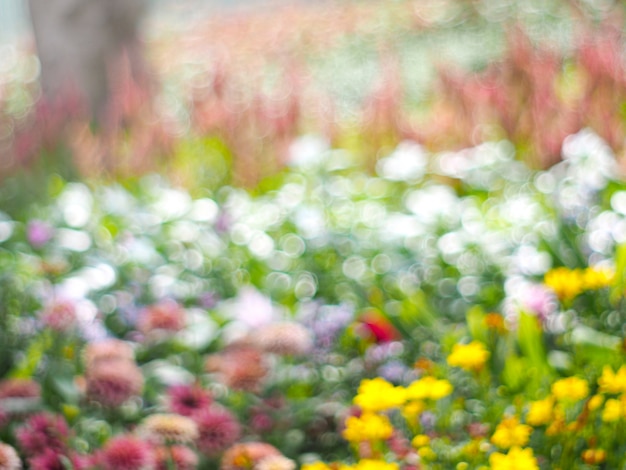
x: 9, y: 460
x: 38, y: 233
x: 285, y: 338
x: 127, y: 453
x: 42, y: 432
x: 106, y: 350
x: 218, y: 429
x: 188, y: 400
x: 165, y: 317
x: 60, y: 316
x: 19, y: 388
x: 182, y: 457
x: 51, y: 460
x: 239, y: 366
x: 113, y: 382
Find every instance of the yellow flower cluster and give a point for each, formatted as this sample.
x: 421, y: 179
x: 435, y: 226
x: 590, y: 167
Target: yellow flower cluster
x: 363, y: 464
x: 379, y: 395
x: 471, y: 357
x: 511, y: 433
x: 569, y: 283
x: 516, y: 459
x: 367, y: 427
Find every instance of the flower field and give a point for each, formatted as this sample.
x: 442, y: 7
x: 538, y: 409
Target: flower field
x: 296, y: 290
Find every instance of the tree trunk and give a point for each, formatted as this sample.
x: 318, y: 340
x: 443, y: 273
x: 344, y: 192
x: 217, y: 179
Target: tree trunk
x: 79, y: 40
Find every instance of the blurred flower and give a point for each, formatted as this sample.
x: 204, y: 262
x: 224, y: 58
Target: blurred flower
x: 286, y: 339
x: 60, y: 315
x: 613, y: 410
x: 379, y: 395
x: 540, y: 412
x: 9, y: 460
x: 106, y: 350
x: 275, y: 462
x: 246, y: 455
x: 516, y: 458
x: 428, y: 388
x: 570, y: 389
x: 367, y: 427
x: 594, y: 456
x: 163, y: 318
x: 471, y: 357
x: 126, y: 453
x: 111, y: 383
x: 19, y: 388
x: 38, y: 233
x: 611, y: 382
x: 510, y: 433
x: 182, y: 458
x: 598, y: 278
x: 169, y: 429
x: 539, y: 301
x: 53, y: 460
x: 566, y: 283
x: 376, y: 327
x: 495, y: 322
x: 218, y: 429
x: 41, y: 432
x: 188, y: 400
x: 240, y: 367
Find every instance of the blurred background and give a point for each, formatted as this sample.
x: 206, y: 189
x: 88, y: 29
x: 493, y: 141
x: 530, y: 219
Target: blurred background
x: 215, y: 92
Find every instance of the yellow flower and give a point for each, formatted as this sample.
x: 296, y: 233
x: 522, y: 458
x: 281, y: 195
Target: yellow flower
x: 421, y: 440
x: 428, y: 388
x: 516, y: 459
x: 367, y: 427
x: 372, y: 464
x: 598, y: 278
x: 379, y: 395
x: 540, y: 412
x: 510, y: 433
x: 315, y: 466
x: 613, y: 410
x: 426, y: 453
x: 595, y: 402
x: 566, y: 283
x: 570, y: 389
x: 412, y: 410
x: 594, y: 456
x: 470, y: 356
x: 611, y: 382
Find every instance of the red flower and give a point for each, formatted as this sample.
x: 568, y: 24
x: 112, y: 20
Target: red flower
x: 377, y: 327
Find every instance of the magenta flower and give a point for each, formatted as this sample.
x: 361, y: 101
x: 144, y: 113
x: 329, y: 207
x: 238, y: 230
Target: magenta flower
x: 51, y: 460
x: 188, y: 400
x: 218, y: 428
x: 126, y: 453
x: 42, y: 432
